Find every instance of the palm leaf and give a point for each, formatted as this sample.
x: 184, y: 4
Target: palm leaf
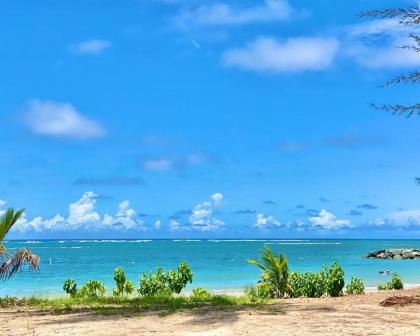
x: 9, y: 218
x: 16, y: 262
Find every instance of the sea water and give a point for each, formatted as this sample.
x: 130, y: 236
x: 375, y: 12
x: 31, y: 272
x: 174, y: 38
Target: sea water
x: 216, y: 264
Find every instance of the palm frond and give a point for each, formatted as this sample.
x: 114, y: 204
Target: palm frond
x: 15, y: 263
x: 9, y: 218
x: 410, y: 15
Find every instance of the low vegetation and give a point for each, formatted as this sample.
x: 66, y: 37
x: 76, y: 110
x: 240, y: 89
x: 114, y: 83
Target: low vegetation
x: 395, y: 283
x: 355, y: 287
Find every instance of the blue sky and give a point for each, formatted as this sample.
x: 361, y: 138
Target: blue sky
x: 177, y: 118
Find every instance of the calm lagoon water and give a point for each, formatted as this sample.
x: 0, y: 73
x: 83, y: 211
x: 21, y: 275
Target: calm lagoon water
x: 216, y: 264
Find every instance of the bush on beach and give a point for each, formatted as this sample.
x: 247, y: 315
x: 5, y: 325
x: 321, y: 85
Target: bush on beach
x: 395, y: 283
x: 355, y: 287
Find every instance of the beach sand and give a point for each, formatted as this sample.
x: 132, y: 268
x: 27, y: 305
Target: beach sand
x: 348, y: 315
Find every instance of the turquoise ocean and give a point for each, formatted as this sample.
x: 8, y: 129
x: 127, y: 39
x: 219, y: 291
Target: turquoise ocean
x: 216, y: 264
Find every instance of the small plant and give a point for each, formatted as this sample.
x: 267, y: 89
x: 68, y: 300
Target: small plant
x: 258, y: 293
x: 177, y: 280
x: 356, y: 286
x: 395, y: 283
x: 161, y: 283
x: 334, y: 277
x: 92, y: 289
x: 124, y: 286
x: 201, y: 293
x: 275, y: 272
x: 70, y: 287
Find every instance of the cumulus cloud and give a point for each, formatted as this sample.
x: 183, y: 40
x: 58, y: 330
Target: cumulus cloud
x: 266, y: 222
x: 226, y: 14
x: 2, y: 203
x: 267, y: 54
x: 56, y: 119
x: 91, y: 47
x: 202, y: 215
x: 328, y: 221
x: 84, y: 216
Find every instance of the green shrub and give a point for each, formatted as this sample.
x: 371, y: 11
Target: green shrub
x: 92, y: 289
x: 356, y: 286
x: 70, y: 287
x: 296, y: 283
x: 160, y: 283
x: 334, y: 279
x: 313, y: 284
x: 124, y: 286
x: 275, y: 272
x: 201, y: 293
x: 395, y: 283
x: 258, y: 293
x: 177, y: 280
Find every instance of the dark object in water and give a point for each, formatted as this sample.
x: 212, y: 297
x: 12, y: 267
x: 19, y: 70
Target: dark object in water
x: 400, y: 301
x: 408, y: 253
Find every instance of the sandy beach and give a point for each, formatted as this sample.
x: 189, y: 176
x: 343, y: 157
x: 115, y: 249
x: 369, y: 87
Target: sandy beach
x: 348, y: 315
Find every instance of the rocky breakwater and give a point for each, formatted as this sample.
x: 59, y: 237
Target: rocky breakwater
x: 413, y: 253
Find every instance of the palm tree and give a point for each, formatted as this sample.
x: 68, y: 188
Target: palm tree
x: 10, y: 264
x: 275, y: 270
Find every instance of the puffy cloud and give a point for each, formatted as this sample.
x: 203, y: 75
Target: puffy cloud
x: 266, y: 222
x: 125, y: 219
x: 57, y: 119
x: 91, y: 47
x: 267, y: 54
x: 82, y: 212
x: 83, y: 216
x: 2, y: 203
x: 201, y: 217
x: 217, y: 198
x: 328, y: 221
x: 226, y: 14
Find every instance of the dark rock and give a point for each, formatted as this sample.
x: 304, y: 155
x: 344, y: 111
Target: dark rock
x: 397, y: 254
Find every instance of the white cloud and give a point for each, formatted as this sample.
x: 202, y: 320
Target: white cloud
x: 202, y: 218
x: 157, y: 224
x: 377, y: 44
x: 328, y: 221
x: 226, y: 14
x: 83, y: 216
x: 57, y: 119
x: 266, y: 222
x: 392, y: 56
x: 267, y: 54
x: 82, y: 212
x: 217, y: 198
x: 91, y: 47
x: 2, y: 203
x: 404, y: 218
